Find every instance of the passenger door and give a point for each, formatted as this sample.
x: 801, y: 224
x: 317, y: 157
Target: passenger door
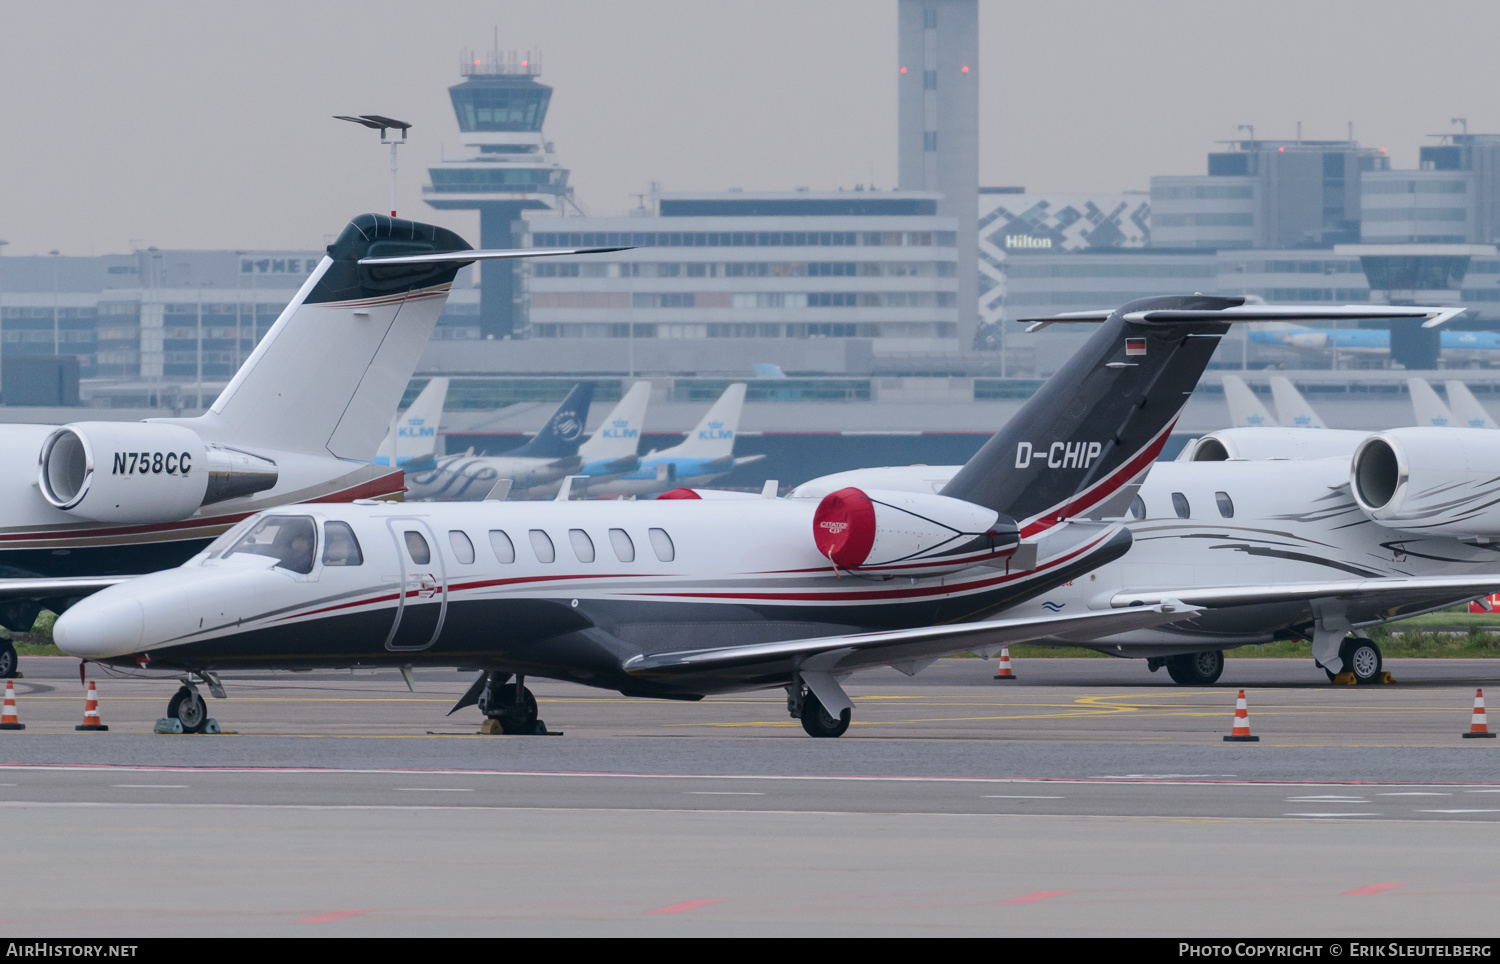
x: 423, y: 603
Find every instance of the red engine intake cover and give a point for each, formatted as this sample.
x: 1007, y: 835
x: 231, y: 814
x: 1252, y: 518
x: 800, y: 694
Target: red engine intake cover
x: 844, y: 527
x: 680, y: 494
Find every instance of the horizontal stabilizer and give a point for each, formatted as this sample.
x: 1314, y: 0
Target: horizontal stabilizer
x: 470, y: 256
x: 843, y: 653
x: 1433, y: 316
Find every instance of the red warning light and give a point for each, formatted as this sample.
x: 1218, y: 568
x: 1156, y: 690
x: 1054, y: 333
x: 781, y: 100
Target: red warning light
x: 964, y: 69
x: 1281, y: 149
x: 476, y: 63
x: 523, y: 63
x: 1382, y: 150
x: 903, y: 70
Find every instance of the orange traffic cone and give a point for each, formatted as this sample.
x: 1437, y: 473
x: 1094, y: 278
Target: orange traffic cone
x: 8, y: 718
x: 1241, y: 732
x: 91, y: 712
x: 1479, y: 728
x: 1004, y: 671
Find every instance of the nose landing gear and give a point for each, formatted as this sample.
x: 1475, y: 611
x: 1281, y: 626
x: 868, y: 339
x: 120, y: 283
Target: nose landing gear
x: 188, y: 709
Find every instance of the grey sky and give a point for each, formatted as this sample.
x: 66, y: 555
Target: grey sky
x: 192, y: 124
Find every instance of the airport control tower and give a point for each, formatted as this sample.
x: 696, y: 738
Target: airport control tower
x: 500, y: 108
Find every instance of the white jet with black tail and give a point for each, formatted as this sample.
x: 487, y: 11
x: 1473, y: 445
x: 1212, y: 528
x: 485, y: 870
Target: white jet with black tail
x: 685, y: 597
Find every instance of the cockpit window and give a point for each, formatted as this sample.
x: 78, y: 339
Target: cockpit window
x: 289, y: 539
x: 340, y: 548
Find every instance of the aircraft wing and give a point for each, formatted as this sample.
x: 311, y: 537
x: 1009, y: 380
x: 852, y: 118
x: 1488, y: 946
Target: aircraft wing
x: 1361, y: 600
x: 901, y: 648
x: 50, y: 588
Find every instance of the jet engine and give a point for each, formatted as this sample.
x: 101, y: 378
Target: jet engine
x: 909, y: 533
x: 1430, y: 481
x: 143, y: 471
x: 1272, y: 442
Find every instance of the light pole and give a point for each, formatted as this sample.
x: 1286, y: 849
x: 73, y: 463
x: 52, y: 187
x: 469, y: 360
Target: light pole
x: 383, y: 124
x: 2, y: 324
x: 56, y: 341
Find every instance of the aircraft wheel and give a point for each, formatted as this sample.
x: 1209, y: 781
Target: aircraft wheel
x: 1362, y: 658
x: 819, y: 722
x: 190, y: 710
x: 514, y: 718
x: 9, y: 662
x: 1196, y: 669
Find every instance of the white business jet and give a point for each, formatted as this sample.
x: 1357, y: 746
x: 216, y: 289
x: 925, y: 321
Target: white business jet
x: 686, y: 597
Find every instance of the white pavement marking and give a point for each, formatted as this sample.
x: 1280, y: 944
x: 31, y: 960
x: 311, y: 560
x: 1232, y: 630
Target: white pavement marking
x: 1414, y: 793
x: 1460, y: 811
x: 724, y: 793
x: 149, y: 786
x: 439, y: 789
x: 1015, y: 796
x: 1327, y: 798
x: 1330, y: 814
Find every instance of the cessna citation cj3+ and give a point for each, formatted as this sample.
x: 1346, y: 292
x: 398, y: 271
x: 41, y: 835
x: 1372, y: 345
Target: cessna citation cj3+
x: 299, y: 422
x: 684, y: 597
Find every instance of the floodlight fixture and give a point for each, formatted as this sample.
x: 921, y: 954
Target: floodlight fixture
x: 383, y: 124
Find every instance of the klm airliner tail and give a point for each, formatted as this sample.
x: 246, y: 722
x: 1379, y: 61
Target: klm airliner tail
x: 412, y: 439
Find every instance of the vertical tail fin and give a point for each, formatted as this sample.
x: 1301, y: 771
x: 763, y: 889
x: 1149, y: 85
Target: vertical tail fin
x: 1084, y: 440
x: 713, y: 438
x: 330, y: 372
x: 564, y: 430
x: 1292, y: 409
x: 1429, y: 409
x: 1466, y: 408
x: 413, y: 437
x: 619, y: 435
x: 1245, y: 409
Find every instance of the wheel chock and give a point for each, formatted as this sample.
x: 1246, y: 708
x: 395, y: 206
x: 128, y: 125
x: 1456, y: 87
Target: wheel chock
x: 167, y: 724
x: 1345, y: 679
x: 211, y: 727
x: 1386, y: 679
x: 490, y: 727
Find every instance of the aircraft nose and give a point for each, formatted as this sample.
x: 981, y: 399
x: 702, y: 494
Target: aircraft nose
x: 98, y: 628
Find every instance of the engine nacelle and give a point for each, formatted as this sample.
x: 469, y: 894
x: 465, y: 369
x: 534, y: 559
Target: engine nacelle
x: 1430, y: 481
x: 143, y: 472
x: 909, y: 533
x: 1271, y: 442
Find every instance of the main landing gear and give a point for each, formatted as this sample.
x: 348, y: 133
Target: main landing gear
x: 1362, y: 658
x: 9, y: 662
x: 511, y: 706
x: 817, y: 700
x: 1191, y: 669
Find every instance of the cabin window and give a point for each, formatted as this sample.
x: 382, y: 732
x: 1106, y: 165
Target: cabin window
x: 1180, y: 505
x: 340, y: 548
x: 661, y: 543
x: 421, y: 552
x: 1137, y: 508
x: 504, y: 549
x: 1226, y: 504
x: 463, y: 549
x: 289, y: 539
x: 624, y: 548
x: 583, y: 546
x: 541, y: 544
